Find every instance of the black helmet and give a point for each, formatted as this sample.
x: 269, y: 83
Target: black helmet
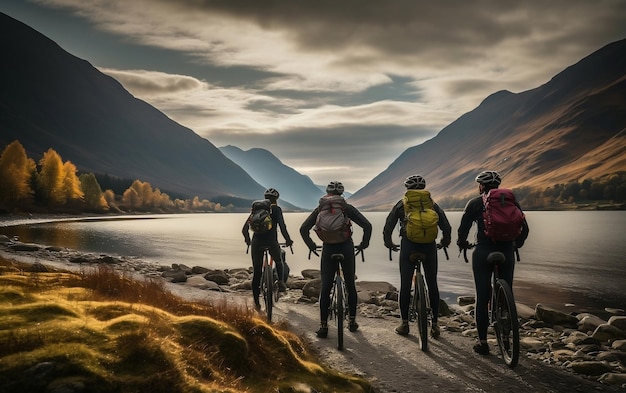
x: 334, y: 187
x: 271, y: 193
x: 489, y: 178
x: 415, y: 182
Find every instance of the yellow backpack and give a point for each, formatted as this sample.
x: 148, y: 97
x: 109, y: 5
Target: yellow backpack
x: 420, y: 219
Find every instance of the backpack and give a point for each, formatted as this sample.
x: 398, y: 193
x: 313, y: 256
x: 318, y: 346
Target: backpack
x: 332, y: 225
x: 261, y: 216
x: 503, y: 219
x: 420, y: 218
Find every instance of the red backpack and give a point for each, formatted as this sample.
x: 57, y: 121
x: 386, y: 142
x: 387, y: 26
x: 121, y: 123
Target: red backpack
x: 502, y: 217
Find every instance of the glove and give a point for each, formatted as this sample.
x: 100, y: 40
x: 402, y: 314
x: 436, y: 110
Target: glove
x: 312, y: 247
x: 392, y: 246
x: 463, y: 244
x: 289, y: 243
x: 519, y: 244
x: 247, y: 241
x: 362, y: 246
x: 445, y: 242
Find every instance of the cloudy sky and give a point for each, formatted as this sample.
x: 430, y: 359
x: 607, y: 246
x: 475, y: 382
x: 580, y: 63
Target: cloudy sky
x: 335, y: 89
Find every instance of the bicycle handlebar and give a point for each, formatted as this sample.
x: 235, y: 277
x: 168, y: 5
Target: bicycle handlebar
x: 358, y: 250
x: 470, y: 246
x: 439, y: 246
x: 282, y: 245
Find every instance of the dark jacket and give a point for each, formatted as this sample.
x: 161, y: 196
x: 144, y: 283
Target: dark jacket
x: 351, y: 212
x: 474, y: 213
x: 272, y: 234
x: 397, y: 214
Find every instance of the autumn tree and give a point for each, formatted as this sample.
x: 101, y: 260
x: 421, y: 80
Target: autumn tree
x: 50, y: 178
x: 16, y: 172
x: 70, y: 185
x: 93, y: 195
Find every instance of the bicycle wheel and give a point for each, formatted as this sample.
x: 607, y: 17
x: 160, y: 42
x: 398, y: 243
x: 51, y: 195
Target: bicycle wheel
x: 339, y: 310
x: 268, y: 293
x: 506, y: 323
x: 422, y: 312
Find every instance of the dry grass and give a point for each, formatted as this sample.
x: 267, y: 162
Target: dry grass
x: 105, y: 332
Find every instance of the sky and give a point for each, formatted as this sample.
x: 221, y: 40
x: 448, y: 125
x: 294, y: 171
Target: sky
x: 336, y: 89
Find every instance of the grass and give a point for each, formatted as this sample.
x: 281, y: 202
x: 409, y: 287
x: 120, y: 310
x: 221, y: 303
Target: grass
x: 104, y: 332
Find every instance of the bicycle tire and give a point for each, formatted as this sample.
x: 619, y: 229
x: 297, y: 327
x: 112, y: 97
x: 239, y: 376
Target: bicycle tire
x: 268, y: 283
x: 506, y: 324
x: 339, y: 311
x: 422, y: 313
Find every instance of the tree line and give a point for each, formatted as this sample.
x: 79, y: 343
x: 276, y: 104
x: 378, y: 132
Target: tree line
x: 52, y: 185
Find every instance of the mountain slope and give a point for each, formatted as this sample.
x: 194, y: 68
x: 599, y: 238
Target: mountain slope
x: 571, y: 128
x: 51, y: 99
x: 269, y: 171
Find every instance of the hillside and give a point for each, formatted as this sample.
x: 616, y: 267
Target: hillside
x: 269, y: 171
x: 571, y: 128
x: 52, y: 99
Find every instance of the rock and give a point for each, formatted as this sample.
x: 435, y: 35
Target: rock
x: 312, y: 288
x: 619, y: 345
x: 181, y: 267
x: 615, y: 311
x: 217, y: 276
x: 613, y: 378
x: 590, y: 367
x: 531, y: 344
x: 25, y: 247
x: 4, y: 239
x: 588, y: 322
x: 554, y: 317
x: 606, y: 332
x: 202, y: 283
x: 465, y: 300
x: 199, y: 270
x: 619, y: 322
x: 311, y: 273
x: 375, y: 286
x: 524, y: 312
x: 175, y: 275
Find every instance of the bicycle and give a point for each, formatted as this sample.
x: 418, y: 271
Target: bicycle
x: 502, y: 310
x: 338, y: 308
x: 269, y: 281
x: 420, y: 310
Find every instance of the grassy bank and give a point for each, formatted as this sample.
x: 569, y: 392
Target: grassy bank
x: 103, y: 332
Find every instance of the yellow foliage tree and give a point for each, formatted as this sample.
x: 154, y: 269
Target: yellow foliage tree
x: 16, y: 172
x: 50, y: 178
x: 71, y: 189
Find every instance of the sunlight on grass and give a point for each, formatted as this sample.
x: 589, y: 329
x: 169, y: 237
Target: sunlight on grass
x: 106, y: 332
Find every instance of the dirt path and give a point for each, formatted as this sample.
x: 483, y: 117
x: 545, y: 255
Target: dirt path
x: 396, y: 364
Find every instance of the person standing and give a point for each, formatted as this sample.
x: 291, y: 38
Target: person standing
x: 267, y: 240
x: 338, y: 242
x: 474, y: 212
x: 408, y: 247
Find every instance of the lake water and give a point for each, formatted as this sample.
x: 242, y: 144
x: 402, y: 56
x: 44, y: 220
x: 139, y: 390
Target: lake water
x: 571, y: 259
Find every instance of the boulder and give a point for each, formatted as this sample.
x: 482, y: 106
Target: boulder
x: 311, y: 273
x: 524, y: 312
x: 554, y: 317
x: 589, y: 322
x: 312, y: 288
x: 590, y: 367
x: 608, y: 332
x: 217, y: 276
x: 619, y: 322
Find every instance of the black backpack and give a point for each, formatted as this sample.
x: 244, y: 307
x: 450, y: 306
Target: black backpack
x: 261, y: 216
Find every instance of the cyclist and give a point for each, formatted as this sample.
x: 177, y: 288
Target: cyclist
x: 328, y: 266
x: 408, y: 247
x: 261, y: 241
x: 473, y: 212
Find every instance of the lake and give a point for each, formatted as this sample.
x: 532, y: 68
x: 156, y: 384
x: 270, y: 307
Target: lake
x: 570, y: 260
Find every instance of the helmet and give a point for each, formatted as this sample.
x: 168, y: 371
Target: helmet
x: 271, y: 193
x: 334, y: 187
x: 489, y: 177
x: 415, y: 182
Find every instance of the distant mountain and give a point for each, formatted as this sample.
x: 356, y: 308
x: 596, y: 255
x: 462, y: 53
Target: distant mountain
x: 269, y: 171
x: 571, y: 128
x: 51, y: 99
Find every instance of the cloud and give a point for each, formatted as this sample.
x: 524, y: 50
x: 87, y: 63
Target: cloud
x: 342, y: 86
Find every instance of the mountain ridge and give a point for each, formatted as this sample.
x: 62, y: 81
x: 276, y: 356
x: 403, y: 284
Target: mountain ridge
x: 570, y: 128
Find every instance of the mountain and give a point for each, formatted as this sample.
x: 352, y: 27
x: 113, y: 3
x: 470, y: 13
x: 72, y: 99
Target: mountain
x: 269, y: 171
x: 571, y: 128
x: 52, y: 99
